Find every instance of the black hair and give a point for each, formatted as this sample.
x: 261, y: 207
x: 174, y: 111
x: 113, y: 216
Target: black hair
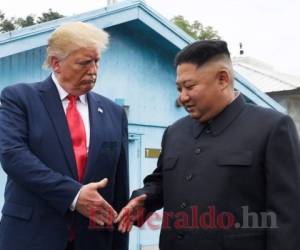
x: 201, y: 52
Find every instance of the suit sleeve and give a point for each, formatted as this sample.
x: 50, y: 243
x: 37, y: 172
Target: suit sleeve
x: 283, y: 186
x: 121, y: 191
x: 21, y: 165
x: 153, y: 187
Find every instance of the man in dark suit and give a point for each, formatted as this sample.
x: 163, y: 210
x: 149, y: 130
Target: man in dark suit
x: 64, y: 149
x: 228, y: 176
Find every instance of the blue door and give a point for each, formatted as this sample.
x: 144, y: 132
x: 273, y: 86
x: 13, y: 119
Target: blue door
x: 134, y: 181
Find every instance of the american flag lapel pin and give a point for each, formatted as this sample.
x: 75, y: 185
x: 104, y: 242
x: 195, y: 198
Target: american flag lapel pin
x: 100, y: 110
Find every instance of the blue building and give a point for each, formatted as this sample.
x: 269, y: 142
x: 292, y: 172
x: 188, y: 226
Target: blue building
x: 136, y: 71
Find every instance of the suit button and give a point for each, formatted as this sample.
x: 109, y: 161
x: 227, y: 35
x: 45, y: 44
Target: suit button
x: 208, y: 131
x: 180, y: 236
x: 189, y: 177
x: 183, y: 205
x: 198, y: 151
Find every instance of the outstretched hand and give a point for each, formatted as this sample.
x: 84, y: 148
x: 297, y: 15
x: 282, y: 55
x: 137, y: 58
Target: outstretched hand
x: 93, y: 206
x: 130, y: 213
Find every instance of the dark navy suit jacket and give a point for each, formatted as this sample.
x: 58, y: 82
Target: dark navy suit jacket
x: 37, y: 155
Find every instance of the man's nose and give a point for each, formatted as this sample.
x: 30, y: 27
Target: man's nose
x: 93, y: 67
x: 183, y: 97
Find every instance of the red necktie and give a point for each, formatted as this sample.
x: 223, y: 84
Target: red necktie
x: 78, y: 135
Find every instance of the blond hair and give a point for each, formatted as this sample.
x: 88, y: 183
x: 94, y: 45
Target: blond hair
x: 72, y: 36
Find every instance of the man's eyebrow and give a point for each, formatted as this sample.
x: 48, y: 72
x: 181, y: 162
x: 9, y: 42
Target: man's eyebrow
x: 184, y: 81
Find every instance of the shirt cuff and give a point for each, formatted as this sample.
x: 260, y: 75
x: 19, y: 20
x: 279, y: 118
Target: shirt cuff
x: 73, y: 205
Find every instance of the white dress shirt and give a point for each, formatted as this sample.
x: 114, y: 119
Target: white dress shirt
x: 83, y: 109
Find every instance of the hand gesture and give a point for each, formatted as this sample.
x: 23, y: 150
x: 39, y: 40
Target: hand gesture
x: 131, y: 213
x: 93, y: 206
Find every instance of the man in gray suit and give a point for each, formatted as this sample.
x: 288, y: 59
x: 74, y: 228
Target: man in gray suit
x: 228, y: 176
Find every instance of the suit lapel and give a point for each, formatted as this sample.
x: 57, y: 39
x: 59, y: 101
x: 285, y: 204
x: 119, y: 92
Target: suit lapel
x: 97, y: 131
x: 52, y: 102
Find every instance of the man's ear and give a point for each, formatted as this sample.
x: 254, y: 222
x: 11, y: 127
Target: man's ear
x: 55, y: 64
x: 224, y: 78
